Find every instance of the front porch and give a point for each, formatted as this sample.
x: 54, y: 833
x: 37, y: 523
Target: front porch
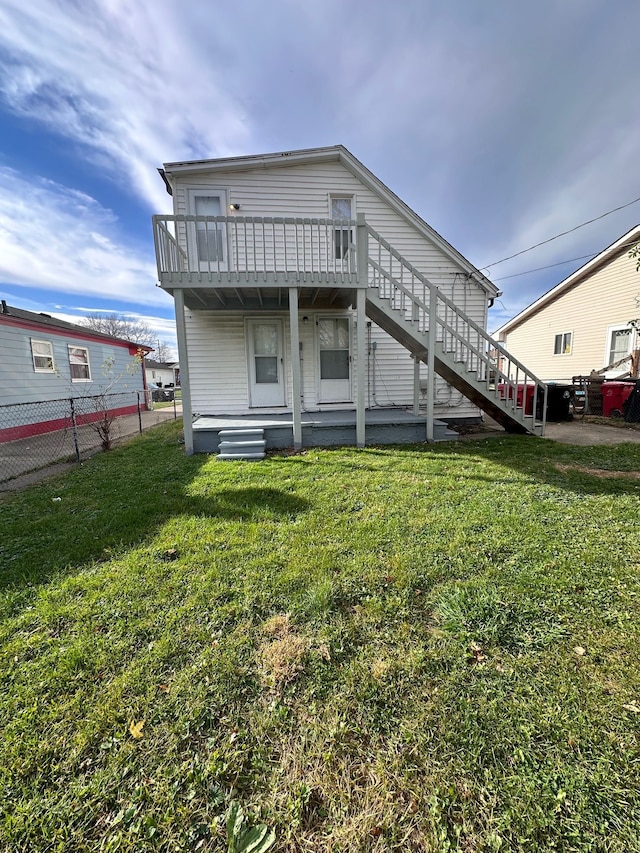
x: 321, y: 429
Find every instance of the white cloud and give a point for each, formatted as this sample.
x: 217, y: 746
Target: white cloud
x: 130, y: 82
x: 500, y: 123
x: 61, y: 240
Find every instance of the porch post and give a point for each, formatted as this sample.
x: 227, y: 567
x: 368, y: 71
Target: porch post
x: 181, y: 334
x: 416, y: 384
x: 361, y: 358
x: 431, y: 376
x: 295, y: 367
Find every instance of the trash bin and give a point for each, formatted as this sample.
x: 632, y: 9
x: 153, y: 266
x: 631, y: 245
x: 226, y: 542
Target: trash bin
x: 632, y: 405
x: 614, y: 396
x: 558, y: 402
x: 524, y: 392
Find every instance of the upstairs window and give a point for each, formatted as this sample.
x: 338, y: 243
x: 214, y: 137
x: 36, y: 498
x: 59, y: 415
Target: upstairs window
x: 342, y: 208
x: 42, y: 355
x: 79, y: 364
x: 619, y: 344
x: 563, y: 343
x: 209, y: 234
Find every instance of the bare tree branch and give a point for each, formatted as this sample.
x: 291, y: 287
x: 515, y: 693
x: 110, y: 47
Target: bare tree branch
x: 120, y: 326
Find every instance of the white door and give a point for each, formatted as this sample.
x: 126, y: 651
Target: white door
x: 266, y: 362
x: 207, y: 240
x: 334, y: 367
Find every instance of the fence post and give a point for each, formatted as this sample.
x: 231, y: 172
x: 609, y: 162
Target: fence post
x: 175, y: 411
x: 139, y: 412
x: 74, y: 429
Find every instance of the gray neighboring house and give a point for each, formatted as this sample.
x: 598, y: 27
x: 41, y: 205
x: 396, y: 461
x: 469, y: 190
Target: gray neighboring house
x: 46, y: 362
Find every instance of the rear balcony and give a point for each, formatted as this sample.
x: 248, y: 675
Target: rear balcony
x: 250, y: 262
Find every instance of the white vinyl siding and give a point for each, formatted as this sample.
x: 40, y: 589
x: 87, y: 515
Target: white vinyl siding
x: 304, y: 191
x: 606, y: 299
x: 220, y: 384
x: 42, y: 355
x: 217, y: 352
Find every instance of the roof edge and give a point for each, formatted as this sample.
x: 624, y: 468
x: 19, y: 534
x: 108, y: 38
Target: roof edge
x: 342, y: 154
x: 626, y: 241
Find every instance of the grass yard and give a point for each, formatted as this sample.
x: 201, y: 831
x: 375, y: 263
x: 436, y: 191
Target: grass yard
x: 411, y: 649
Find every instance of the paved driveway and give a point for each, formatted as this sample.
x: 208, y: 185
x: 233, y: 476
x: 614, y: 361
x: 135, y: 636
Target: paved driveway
x: 579, y: 432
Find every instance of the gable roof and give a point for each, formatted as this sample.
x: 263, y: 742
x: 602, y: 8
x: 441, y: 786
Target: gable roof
x: 53, y: 323
x: 622, y: 244
x: 160, y: 365
x: 342, y: 155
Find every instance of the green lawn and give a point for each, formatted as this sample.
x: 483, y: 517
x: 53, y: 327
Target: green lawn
x: 412, y: 649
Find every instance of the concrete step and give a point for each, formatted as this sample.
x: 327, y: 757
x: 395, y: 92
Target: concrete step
x: 242, y: 443
x: 227, y: 444
x: 249, y: 457
x: 441, y: 432
x: 237, y: 432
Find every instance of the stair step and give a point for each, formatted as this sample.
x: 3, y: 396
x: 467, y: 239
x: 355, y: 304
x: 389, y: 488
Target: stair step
x: 249, y: 457
x: 243, y: 445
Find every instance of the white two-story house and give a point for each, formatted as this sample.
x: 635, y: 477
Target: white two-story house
x: 309, y: 297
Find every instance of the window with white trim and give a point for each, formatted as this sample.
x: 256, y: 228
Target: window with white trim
x: 619, y: 344
x: 562, y: 343
x: 341, y: 207
x: 79, y: 364
x: 42, y: 355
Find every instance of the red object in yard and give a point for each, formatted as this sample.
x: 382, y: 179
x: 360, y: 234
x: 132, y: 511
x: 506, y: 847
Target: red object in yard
x: 520, y: 393
x: 614, y: 396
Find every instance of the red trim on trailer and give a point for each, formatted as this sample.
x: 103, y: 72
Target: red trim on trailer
x: 43, y: 427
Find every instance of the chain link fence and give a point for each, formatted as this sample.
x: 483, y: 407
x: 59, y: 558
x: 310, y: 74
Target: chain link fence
x: 36, y: 435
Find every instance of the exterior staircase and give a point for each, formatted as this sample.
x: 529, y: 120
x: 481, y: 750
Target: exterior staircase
x: 239, y: 443
x: 416, y: 313
x: 269, y: 253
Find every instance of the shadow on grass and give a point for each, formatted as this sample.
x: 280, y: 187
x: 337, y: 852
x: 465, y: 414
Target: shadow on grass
x: 579, y: 469
x: 246, y: 504
x: 115, y: 502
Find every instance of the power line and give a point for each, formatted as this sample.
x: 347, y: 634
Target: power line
x: 548, y: 267
x: 562, y: 234
x: 561, y: 263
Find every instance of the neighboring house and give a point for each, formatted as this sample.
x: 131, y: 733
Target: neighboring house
x: 46, y: 362
x: 583, y: 323
x: 303, y: 287
x: 162, y: 373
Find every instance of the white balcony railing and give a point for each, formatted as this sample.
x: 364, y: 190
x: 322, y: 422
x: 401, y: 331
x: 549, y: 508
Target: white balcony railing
x: 255, y: 249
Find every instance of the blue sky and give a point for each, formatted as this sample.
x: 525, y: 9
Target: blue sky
x: 501, y: 123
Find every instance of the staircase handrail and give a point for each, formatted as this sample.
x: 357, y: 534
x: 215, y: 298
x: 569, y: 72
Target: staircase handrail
x: 416, y: 300
x: 448, y: 302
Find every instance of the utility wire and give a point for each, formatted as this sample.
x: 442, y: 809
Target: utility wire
x: 560, y: 263
x: 562, y: 234
x: 548, y: 267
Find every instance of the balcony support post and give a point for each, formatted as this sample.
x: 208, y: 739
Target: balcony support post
x: 296, y: 401
x: 183, y: 360
x: 431, y: 367
x: 361, y: 361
